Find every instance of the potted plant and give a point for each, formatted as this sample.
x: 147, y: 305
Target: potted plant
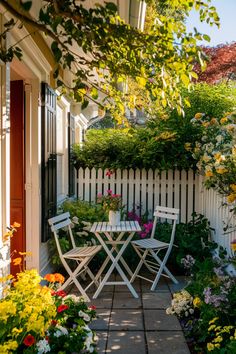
x: 112, y: 203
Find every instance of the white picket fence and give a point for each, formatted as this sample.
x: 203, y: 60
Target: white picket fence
x: 173, y: 188
x: 143, y: 188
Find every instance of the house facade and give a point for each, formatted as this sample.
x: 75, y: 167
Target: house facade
x: 37, y: 132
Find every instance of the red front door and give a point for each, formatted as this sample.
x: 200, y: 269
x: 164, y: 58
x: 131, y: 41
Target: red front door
x: 17, y: 175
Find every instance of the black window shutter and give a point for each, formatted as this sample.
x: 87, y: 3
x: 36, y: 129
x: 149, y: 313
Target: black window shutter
x: 49, y: 159
x: 71, y: 141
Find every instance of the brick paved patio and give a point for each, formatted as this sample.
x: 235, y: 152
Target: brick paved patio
x: 138, y: 326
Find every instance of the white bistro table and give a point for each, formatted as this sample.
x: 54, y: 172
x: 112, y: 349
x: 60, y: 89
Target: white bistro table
x: 115, y: 235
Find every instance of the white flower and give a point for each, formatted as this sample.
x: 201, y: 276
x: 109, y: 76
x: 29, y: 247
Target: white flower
x: 75, y: 220
x: 61, y: 331
x: 85, y: 316
x: 43, y: 346
x: 72, y: 297
x: 82, y: 233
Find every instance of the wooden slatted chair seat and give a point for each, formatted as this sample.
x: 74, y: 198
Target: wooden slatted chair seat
x: 81, y: 252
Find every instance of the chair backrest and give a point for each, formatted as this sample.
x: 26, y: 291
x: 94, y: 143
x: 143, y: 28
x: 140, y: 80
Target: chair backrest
x: 60, y: 222
x: 168, y: 214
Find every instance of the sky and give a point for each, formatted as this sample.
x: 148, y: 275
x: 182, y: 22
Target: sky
x: 226, y: 10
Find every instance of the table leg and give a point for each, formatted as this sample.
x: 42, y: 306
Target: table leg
x: 115, y: 265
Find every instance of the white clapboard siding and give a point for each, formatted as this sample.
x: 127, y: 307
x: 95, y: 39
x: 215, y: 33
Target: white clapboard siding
x: 142, y: 188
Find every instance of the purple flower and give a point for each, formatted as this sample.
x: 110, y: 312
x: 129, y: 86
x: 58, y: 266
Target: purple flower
x: 211, y: 299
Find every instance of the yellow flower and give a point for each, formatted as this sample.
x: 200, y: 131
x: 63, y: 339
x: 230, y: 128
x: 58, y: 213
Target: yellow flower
x: 209, y: 173
x: 233, y: 187
x: 211, y: 327
x: 233, y: 245
x: 213, y: 320
x: 198, y: 115
x: 221, y: 170
x: 213, y: 121
x: 218, y: 339
x: 197, y: 302
x: 210, y: 347
x: 231, y: 197
x: 217, y: 156
x: 206, y: 124
x: 187, y: 146
x: 17, y: 330
x: 224, y: 120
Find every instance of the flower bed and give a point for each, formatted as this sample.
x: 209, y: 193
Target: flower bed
x: 38, y: 319
x: 207, y: 308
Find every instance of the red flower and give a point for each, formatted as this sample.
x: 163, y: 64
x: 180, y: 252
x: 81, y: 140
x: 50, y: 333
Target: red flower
x: 54, y: 322
x: 60, y: 293
x: 62, y: 308
x: 92, y: 307
x: 29, y: 340
x: 109, y: 173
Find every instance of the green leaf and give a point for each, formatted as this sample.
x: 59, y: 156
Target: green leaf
x: 85, y: 104
x: 60, y: 83
x: 207, y: 38
x: 111, y: 6
x: 94, y: 93
x: 26, y: 5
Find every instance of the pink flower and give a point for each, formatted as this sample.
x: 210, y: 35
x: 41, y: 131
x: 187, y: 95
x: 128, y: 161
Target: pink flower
x: 99, y: 195
x: 109, y: 191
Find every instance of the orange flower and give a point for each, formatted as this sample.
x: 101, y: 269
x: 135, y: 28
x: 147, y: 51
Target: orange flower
x: 50, y: 278
x: 17, y: 261
x: 15, y: 224
x: 25, y: 253
x: 59, y: 278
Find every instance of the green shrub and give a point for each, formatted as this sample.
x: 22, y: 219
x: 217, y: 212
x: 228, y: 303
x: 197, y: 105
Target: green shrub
x: 161, y: 143
x: 191, y: 238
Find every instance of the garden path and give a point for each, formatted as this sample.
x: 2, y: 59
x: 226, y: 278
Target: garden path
x: 138, y: 326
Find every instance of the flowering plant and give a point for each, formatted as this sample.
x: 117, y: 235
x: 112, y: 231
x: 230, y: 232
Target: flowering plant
x: 38, y: 319
x: 110, y: 201
x: 216, y: 153
x: 209, y: 322
x: 181, y: 305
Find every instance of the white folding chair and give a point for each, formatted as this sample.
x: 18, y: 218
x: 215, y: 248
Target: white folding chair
x: 148, y: 249
x: 81, y: 255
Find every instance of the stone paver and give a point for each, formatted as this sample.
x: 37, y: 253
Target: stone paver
x: 158, y: 320
x: 155, y: 300
x: 166, y: 343
x: 126, y: 325
x: 102, y: 322
x: 126, y: 320
x: 126, y: 300
x: 126, y: 342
